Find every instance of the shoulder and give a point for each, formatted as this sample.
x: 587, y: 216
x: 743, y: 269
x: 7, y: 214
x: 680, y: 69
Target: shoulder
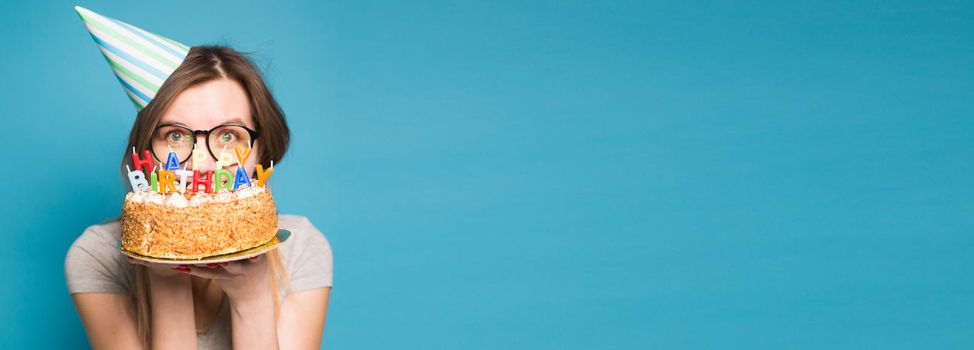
x: 96, y: 235
x: 307, y: 254
x: 93, y: 262
x: 302, y: 230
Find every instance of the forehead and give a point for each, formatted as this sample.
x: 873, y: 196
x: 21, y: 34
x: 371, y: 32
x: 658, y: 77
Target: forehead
x: 209, y: 104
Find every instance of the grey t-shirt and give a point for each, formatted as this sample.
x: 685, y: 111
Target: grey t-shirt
x: 93, y: 264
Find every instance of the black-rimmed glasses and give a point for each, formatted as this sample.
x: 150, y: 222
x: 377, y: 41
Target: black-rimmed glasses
x: 181, y: 139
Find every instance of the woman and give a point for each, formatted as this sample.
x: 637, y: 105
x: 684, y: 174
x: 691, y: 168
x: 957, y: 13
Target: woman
x: 278, y: 299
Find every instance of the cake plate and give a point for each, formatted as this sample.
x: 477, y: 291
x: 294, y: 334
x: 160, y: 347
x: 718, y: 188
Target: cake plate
x: 282, y: 235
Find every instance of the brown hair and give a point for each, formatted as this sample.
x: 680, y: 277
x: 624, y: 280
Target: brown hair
x: 203, y: 64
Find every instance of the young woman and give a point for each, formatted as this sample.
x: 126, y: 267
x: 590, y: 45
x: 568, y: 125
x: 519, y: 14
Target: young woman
x: 276, y: 300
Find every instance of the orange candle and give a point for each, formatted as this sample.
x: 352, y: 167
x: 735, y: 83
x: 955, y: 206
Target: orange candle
x: 263, y: 175
x: 167, y: 181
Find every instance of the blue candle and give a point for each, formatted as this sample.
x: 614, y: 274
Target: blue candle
x: 137, y: 180
x: 241, y: 179
x: 172, y: 163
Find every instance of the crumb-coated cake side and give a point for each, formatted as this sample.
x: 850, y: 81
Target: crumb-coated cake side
x: 178, y: 226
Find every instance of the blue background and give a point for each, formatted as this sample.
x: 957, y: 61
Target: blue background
x: 553, y: 174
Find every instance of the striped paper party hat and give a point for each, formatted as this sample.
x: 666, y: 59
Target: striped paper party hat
x: 141, y: 60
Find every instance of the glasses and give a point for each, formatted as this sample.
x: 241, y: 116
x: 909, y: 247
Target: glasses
x: 182, y: 140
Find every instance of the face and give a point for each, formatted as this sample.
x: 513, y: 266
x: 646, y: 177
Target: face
x: 208, y: 105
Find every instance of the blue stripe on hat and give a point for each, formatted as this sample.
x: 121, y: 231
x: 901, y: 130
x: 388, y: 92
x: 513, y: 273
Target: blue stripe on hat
x: 131, y: 88
x: 131, y: 59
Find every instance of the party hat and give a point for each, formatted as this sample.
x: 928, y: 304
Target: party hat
x: 141, y: 60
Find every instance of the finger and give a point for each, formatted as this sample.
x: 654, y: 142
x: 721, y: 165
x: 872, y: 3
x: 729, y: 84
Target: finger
x: 135, y: 261
x: 235, y: 267
x: 209, y: 266
x: 213, y: 274
x: 148, y: 264
x: 244, y: 265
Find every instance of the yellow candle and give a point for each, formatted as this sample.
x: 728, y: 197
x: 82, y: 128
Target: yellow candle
x: 262, y: 175
x: 199, y: 156
x: 242, y: 157
x: 225, y: 159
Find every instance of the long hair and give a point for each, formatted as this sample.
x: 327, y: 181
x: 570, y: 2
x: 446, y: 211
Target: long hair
x: 203, y: 64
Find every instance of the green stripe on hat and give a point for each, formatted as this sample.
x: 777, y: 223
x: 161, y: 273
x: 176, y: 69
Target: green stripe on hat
x: 138, y: 58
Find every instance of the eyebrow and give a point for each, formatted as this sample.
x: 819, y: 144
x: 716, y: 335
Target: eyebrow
x: 229, y: 121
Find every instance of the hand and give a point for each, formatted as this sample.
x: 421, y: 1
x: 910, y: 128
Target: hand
x: 243, y: 280
x: 160, y: 270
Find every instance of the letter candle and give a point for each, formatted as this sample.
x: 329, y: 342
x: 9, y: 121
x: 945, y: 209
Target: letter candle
x: 139, y: 163
x: 223, y: 159
x: 263, y: 175
x: 137, y: 180
x: 198, y: 157
x: 173, y: 177
x: 166, y: 181
x: 224, y: 180
x: 242, y: 157
x: 241, y: 178
x: 172, y: 161
x: 205, y: 181
x: 183, y: 174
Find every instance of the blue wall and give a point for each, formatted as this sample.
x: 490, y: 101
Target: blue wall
x: 554, y: 174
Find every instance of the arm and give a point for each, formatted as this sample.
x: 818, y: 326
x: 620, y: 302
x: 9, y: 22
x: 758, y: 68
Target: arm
x: 252, y: 309
x: 302, y: 315
x: 109, y: 320
x: 94, y: 271
x: 303, y: 319
x: 96, y: 286
x: 173, y: 322
x: 252, y: 321
x: 251, y: 300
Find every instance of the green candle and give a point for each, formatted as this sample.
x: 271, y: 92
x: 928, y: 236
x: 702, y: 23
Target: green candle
x: 224, y: 180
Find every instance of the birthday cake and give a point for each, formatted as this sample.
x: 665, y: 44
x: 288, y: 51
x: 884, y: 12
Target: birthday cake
x: 165, y: 218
